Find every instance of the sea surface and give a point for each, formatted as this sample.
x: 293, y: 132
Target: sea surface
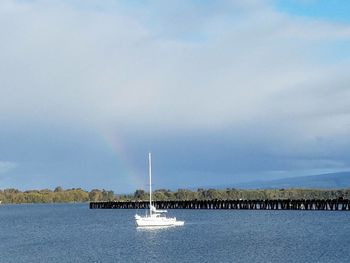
x: 74, y: 233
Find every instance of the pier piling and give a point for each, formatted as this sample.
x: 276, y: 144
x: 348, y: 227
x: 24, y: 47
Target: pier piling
x: 287, y: 204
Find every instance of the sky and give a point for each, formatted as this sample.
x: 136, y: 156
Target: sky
x: 221, y: 92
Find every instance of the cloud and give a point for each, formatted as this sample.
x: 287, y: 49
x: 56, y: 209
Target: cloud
x: 238, y: 67
x: 66, y: 62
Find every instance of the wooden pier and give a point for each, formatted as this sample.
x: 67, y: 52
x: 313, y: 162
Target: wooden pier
x: 313, y: 204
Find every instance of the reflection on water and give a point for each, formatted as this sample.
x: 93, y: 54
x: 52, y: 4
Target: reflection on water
x: 153, y: 228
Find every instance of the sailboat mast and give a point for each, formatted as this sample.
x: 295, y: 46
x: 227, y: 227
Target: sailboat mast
x: 150, y: 181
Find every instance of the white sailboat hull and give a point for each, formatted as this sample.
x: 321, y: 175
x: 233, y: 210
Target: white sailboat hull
x: 150, y: 221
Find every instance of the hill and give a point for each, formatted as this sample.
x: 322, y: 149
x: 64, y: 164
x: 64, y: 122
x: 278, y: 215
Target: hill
x: 338, y: 180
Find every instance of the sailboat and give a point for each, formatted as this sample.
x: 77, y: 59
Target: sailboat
x: 155, y: 218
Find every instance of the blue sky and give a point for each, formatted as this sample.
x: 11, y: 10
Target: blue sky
x: 221, y: 92
x: 335, y: 10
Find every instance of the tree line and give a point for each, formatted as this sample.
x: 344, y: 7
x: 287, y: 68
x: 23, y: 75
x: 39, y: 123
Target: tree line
x: 236, y: 194
x: 59, y: 195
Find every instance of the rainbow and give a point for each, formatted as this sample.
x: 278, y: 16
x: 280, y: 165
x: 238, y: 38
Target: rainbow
x: 134, y: 178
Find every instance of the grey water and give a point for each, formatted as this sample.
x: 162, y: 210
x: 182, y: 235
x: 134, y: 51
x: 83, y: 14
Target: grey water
x: 74, y: 233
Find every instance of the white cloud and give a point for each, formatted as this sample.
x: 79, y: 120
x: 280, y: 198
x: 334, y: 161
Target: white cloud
x: 226, y: 65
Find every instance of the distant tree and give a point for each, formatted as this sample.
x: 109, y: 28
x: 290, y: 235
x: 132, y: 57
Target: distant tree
x: 95, y: 195
x: 107, y: 195
x: 110, y: 195
x: 183, y: 194
x: 79, y: 195
x: 159, y: 196
x: 139, y: 194
x: 58, y: 189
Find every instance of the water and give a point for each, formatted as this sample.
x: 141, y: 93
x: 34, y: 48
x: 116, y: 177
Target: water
x: 74, y: 233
